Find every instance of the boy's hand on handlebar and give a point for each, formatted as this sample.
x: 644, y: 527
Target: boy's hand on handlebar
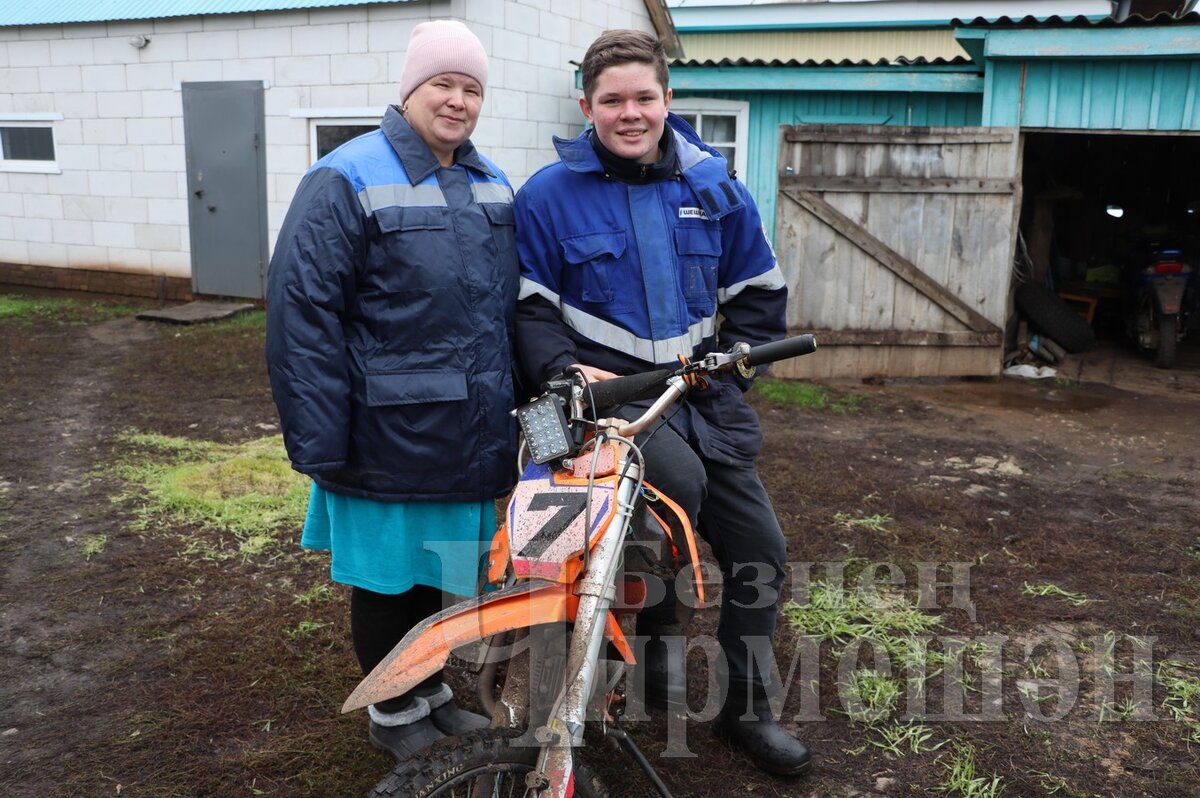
x: 593, y: 374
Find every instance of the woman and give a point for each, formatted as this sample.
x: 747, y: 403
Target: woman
x: 389, y: 327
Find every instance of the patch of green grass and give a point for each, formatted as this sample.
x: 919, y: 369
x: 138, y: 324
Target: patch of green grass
x: 960, y: 774
x: 304, y: 629
x: 1046, y: 589
x: 875, y: 523
x: 807, y: 395
x: 251, y: 318
x: 1183, y: 695
x: 886, y: 620
x: 873, y: 697
x: 61, y: 309
x: 843, y: 615
x: 317, y: 594
x: 897, y: 738
x: 1123, y: 709
x: 93, y: 545
x: 248, y: 491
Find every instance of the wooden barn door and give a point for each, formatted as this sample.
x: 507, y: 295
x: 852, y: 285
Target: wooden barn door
x: 897, y: 247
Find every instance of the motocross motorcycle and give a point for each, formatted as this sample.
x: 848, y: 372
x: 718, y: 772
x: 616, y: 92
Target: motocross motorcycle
x: 585, y: 538
x: 1164, y: 304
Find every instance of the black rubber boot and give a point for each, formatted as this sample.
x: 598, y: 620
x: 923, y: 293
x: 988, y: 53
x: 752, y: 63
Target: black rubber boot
x: 751, y: 727
x: 405, y: 732
x: 449, y: 718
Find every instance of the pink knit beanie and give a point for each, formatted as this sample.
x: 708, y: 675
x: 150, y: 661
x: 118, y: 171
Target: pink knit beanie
x: 442, y: 45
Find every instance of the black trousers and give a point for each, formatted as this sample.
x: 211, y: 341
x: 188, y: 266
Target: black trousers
x: 378, y: 621
x: 730, y: 508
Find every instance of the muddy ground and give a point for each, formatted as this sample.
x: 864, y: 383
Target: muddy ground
x: 140, y: 670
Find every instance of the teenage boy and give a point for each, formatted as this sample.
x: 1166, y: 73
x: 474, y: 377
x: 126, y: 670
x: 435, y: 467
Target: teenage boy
x: 636, y: 247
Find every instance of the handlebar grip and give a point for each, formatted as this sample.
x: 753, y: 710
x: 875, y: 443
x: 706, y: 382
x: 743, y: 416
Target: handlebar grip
x: 781, y: 350
x: 622, y: 390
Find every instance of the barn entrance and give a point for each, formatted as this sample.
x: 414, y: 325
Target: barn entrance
x: 1099, y: 209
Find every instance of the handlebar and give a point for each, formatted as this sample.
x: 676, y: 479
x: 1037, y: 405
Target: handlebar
x: 623, y: 390
x: 549, y: 432
x: 781, y: 350
x: 648, y: 385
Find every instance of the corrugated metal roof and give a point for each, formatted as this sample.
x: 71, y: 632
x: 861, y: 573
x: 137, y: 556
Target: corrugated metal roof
x: 692, y: 16
x: 58, y: 12
x: 845, y: 62
x: 835, y: 45
x: 1132, y: 21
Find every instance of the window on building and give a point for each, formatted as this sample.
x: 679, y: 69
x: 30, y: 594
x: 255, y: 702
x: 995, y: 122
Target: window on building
x: 27, y: 143
x: 330, y: 128
x: 723, y: 124
x: 328, y: 136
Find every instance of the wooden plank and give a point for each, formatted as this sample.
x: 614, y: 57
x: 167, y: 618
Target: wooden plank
x: 849, y: 134
x: 847, y: 362
x: 875, y: 305
x: 897, y: 185
x: 903, y: 337
x: 901, y: 267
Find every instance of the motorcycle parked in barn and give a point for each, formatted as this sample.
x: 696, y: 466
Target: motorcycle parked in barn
x: 1164, y: 303
x: 584, y: 539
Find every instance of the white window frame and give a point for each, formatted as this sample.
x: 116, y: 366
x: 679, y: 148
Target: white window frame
x: 736, y: 108
x: 45, y: 120
x: 318, y: 117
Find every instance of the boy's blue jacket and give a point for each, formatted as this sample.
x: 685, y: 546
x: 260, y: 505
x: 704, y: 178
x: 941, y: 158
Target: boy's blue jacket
x: 390, y: 304
x: 626, y: 277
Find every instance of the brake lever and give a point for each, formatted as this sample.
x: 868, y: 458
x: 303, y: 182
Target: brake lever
x: 718, y: 361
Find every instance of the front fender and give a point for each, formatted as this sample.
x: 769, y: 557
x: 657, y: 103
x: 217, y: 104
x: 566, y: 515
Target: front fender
x: 425, y: 649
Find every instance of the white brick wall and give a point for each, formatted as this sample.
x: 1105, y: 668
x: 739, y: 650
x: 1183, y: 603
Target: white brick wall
x: 121, y: 202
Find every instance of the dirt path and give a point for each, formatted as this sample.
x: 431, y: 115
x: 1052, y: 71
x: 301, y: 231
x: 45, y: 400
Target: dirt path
x: 58, y: 631
x: 141, y: 671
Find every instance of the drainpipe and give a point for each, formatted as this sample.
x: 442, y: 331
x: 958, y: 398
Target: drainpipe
x: 1122, y: 12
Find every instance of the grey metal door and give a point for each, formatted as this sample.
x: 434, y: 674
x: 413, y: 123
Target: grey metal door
x: 223, y: 131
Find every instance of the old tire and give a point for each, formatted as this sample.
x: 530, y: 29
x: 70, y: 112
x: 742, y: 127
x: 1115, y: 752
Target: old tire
x: 1054, y: 318
x: 1168, y: 336
x: 452, y: 766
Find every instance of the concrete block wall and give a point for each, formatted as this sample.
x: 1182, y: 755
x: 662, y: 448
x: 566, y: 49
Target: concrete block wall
x: 119, y: 202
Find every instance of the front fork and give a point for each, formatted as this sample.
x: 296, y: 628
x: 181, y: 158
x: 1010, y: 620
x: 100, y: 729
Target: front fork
x: 597, y: 592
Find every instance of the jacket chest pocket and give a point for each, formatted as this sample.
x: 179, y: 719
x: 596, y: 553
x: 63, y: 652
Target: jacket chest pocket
x: 415, y: 238
x: 699, y: 252
x: 500, y: 220
x: 592, y: 262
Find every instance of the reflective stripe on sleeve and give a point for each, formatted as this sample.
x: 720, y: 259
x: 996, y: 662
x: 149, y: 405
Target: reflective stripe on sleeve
x: 770, y: 280
x: 616, y: 337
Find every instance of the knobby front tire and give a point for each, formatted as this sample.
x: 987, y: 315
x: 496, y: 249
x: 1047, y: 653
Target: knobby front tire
x: 459, y: 767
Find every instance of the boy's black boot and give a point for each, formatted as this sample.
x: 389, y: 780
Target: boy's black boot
x: 746, y: 722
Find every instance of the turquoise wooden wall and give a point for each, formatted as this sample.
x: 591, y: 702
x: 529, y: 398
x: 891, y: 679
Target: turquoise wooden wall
x: 769, y: 110
x: 1094, y: 94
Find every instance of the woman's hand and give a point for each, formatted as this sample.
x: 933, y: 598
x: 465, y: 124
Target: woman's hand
x: 593, y: 374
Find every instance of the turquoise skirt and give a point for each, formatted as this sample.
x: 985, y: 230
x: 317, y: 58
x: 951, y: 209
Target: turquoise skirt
x: 388, y: 547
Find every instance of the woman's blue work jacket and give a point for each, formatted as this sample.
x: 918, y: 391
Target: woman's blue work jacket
x: 390, y: 301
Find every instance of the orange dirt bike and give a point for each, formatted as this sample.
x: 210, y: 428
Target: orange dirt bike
x: 585, y: 538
